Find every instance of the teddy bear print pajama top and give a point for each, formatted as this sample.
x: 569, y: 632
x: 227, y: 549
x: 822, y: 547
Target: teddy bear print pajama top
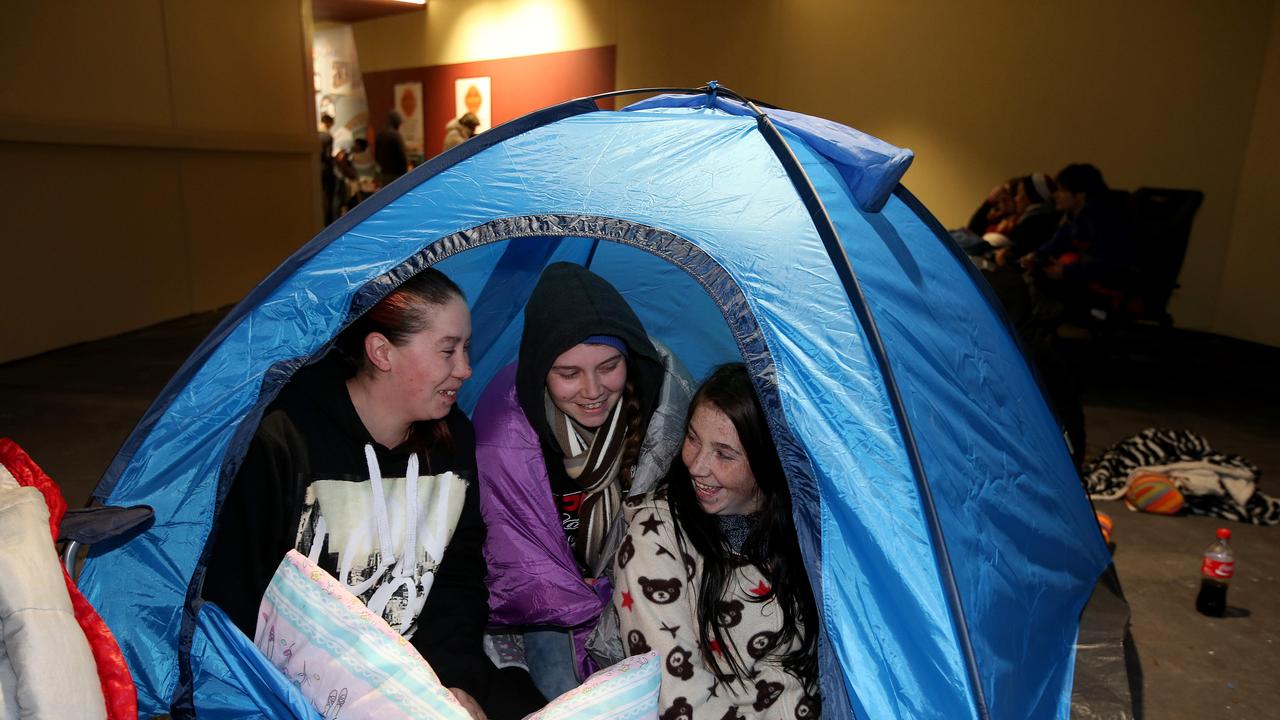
x: 656, y: 586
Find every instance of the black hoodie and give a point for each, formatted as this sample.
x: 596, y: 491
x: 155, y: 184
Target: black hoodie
x: 311, y: 433
x: 569, y: 305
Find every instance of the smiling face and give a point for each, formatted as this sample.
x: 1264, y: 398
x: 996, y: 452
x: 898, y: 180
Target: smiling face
x: 586, y: 381
x: 429, y: 367
x: 718, y: 467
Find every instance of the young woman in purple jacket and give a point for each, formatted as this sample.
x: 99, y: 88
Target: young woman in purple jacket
x: 591, y: 413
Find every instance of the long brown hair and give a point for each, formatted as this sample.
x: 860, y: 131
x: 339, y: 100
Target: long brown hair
x: 637, y: 426
x: 406, y: 311
x: 771, y: 546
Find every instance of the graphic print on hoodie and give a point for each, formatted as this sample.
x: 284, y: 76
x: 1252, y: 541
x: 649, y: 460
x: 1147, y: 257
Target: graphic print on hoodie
x: 344, y: 527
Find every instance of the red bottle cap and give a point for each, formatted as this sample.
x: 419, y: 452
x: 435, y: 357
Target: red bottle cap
x: 1224, y: 533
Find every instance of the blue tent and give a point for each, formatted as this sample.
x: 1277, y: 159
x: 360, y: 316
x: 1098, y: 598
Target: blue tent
x: 945, y: 531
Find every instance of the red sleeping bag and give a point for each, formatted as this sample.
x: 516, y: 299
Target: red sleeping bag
x: 117, y: 684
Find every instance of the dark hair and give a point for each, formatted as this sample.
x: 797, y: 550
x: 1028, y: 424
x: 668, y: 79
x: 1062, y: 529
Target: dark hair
x: 1028, y: 185
x: 394, y: 119
x: 1082, y: 178
x: 772, y: 545
x: 406, y: 311
x: 326, y: 118
x: 361, y: 144
x: 637, y: 427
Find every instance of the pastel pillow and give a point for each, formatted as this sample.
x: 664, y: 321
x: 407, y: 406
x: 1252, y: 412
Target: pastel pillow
x: 625, y: 691
x: 344, y: 658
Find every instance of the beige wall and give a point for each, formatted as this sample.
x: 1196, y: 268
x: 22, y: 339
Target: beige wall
x: 457, y: 31
x: 159, y: 160
x: 1250, y: 291
x: 1155, y: 92
x: 159, y: 152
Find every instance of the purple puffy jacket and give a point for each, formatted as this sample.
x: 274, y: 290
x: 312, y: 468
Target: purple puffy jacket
x: 533, y: 578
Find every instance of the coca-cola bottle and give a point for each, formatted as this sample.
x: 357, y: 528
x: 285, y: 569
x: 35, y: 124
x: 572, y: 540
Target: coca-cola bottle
x: 1215, y: 574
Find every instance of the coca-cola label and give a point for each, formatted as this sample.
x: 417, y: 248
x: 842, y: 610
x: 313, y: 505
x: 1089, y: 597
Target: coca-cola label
x: 1217, y: 569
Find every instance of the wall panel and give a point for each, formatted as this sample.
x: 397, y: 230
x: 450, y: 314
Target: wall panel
x: 1249, y: 288
x: 160, y: 158
x: 92, y: 244
x: 517, y: 86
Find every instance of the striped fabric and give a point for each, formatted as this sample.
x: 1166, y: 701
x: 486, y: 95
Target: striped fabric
x: 627, y: 690
x: 346, y: 660
x: 1228, y: 490
x: 343, y: 657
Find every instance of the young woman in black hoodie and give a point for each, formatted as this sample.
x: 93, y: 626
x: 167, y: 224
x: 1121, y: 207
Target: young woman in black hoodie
x: 348, y: 432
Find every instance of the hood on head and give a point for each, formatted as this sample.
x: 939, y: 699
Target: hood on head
x: 569, y: 304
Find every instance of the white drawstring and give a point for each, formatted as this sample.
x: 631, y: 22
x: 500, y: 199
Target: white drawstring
x: 382, y: 525
x: 380, y: 516
x: 409, y: 558
x: 317, y: 539
x: 401, y: 572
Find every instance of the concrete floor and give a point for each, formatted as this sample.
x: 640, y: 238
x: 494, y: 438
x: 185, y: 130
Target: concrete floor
x: 1194, y: 667
x: 71, y: 409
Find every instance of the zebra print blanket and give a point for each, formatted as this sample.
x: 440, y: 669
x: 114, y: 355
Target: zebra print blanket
x: 1232, y: 494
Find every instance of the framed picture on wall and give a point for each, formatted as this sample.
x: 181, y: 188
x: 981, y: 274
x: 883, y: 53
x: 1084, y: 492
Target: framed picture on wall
x: 471, y: 95
x: 409, y: 103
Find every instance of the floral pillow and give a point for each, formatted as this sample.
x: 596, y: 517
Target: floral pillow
x: 625, y: 691
x: 343, y: 657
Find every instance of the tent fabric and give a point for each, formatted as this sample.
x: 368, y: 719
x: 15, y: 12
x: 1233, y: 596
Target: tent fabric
x: 948, y: 541
x: 871, y: 167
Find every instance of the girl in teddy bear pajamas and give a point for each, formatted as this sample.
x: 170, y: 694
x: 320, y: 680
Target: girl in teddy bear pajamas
x: 710, y: 576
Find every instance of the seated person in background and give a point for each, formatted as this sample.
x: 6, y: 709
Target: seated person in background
x: 1035, y: 219
x: 593, y: 410
x: 1015, y: 219
x: 365, y: 167
x: 460, y: 130
x: 710, y: 575
x: 996, y: 212
x: 1092, y: 243
x: 355, y: 427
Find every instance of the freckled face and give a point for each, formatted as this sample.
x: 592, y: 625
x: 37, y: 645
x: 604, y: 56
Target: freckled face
x: 718, y: 466
x: 429, y: 368
x: 586, y: 381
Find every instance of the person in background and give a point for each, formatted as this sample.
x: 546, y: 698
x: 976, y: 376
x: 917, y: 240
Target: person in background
x: 348, y: 432
x: 389, y: 150
x: 710, y: 574
x: 1034, y: 219
x: 996, y: 212
x: 328, y: 176
x: 364, y: 180
x: 459, y: 130
x: 1091, y: 244
x: 592, y: 411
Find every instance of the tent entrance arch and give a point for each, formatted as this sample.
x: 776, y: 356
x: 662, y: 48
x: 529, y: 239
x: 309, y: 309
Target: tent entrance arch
x: 683, y: 296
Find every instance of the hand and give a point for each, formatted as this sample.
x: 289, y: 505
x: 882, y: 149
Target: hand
x: 1002, y: 256
x: 469, y: 704
x: 1027, y: 261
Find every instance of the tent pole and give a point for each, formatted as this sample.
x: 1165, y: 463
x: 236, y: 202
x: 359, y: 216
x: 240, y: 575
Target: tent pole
x: 853, y: 289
